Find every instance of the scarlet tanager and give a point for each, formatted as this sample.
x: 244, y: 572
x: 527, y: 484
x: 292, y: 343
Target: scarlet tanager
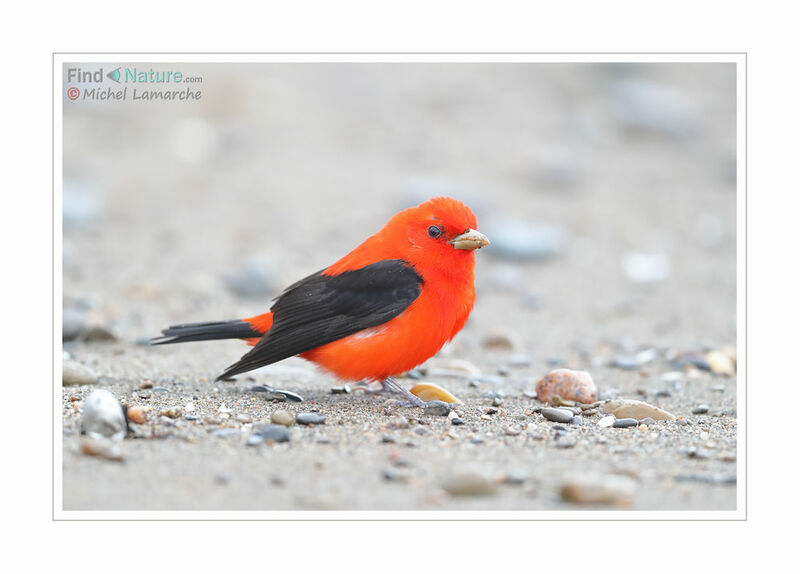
x: 381, y: 310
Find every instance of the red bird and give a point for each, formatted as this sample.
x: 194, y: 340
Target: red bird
x: 381, y: 310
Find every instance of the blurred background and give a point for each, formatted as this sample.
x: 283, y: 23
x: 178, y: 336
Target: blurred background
x: 608, y: 191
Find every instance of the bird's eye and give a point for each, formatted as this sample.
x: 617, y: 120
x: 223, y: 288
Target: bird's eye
x: 435, y: 231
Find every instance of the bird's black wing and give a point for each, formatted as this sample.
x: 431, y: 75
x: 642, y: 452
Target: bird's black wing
x: 321, y: 309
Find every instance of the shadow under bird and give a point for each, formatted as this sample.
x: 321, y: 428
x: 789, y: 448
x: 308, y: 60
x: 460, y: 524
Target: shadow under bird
x: 381, y: 310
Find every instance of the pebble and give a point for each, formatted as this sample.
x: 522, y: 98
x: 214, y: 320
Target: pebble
x: 103, y: 416
x: 437, y: 408
x: 700, y: 410
x: 720, y: 363
x: 342, y: 390
x: 136, y: 415
x: 557, y: 415
x: 647, y: 421
x: 567, y: 384
x: 565, y: 441
x: 630, y: 408
x: 646, y: 267
x: 253, y: 279
x: 501, y: 341
x: 226, y: 432
x: 576, y: 420
x: 469, y: 483
x: 243, y: 418
x: 270, y: 433
x: 456, y: 421
x: 598, y: 489
x: 103, y: 447
x: 398, y: 422
x: 282, y: 417
x: 513, y: 431
x: 606, y: 422
x: 73, y: 373
x: 73, y: 323
x: 625, y: 423
x: 310, y: 419
x: 525, y: 240
x: 172, y: 412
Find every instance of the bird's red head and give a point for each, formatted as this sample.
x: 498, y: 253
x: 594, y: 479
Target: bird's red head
x: 437, y: 235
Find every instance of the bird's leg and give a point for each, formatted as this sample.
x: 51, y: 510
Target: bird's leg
x: 389, y: 384
x: 366, y: 387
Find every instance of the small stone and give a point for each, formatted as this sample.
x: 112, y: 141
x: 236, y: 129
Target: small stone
x: 625, y: 423
x: 136, y: 415
x: 226, y: 432
x: 497, y: 401
x: 700, y: 410
x: 437, y: 408
x: 557, y: 415
x: 342, y: 390
x: 456, y: 421
x: 565, y: 441
x: 647, y: 421
x: 73, y: 373
x: 469, y: 483
x: 268, y: 434
x: 501, y: 341
x: 146, y: 385
x: 243, y: 418
x: 576, y: 420
x: 387, y: 439
x: 398, y: 422
x: 103, y: 416
x: 310, y: 419
x: 172, y: 412
x: 282, y: 417
x: 103, y: 447
x: 720, y: 363
x: 513, y: 430
x: 598, y: 489
x: 567, y: 384
x: 646, y: 267
x: 253, y: 279
x: 606, y: 422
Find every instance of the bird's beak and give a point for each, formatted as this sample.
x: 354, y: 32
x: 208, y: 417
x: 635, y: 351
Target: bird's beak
x: 470, y: 240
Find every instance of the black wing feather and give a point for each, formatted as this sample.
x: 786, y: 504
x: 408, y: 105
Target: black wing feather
x: 321, y: 309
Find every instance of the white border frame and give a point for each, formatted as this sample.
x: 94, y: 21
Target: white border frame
x: 740, y: 59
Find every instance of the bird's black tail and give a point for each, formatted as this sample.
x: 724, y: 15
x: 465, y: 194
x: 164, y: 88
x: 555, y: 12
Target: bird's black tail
x: 206, y: 332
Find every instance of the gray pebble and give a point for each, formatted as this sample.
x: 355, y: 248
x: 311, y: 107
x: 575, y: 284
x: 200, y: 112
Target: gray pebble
x: 456, y: 421
x: 470, y: 483
x: 437, y: 408
x: 625, y: 423
x: 565, y: 441
x: 73, y: 373
x: 310, y: 419
x: 270, y: 433
x: 576, y: 420
x: 254, y: 279
x: 700, y: 410
x: 557, y: 415
x: 226, y: 432
x: 73, y: 322
x: 647, y: 421
x: 342, y: 390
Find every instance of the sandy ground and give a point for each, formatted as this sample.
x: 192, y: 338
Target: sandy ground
x: 284, y: 168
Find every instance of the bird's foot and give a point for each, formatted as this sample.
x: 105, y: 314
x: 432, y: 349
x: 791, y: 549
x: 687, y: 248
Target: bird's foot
x: 412, y: 400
